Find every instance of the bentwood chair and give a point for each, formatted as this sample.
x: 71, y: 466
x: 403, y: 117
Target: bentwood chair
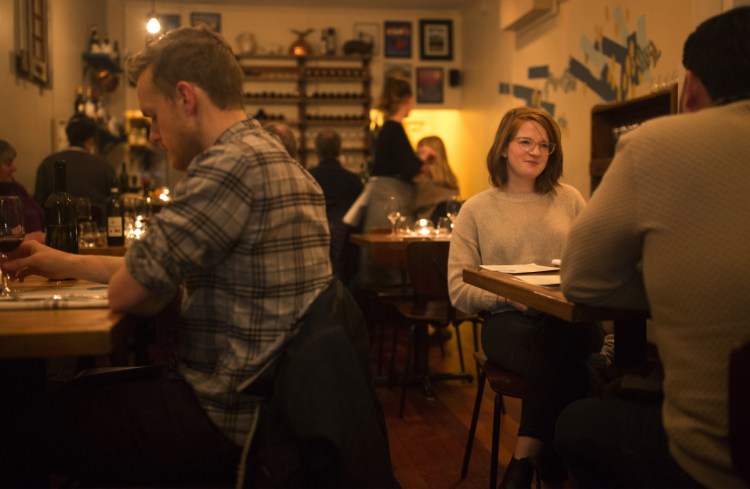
x: 504, y: 383
x: 426, y: 263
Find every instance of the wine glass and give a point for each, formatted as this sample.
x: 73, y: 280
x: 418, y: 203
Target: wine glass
x: 393, y: 212
x: 11, y: 232
x: 451, y: 209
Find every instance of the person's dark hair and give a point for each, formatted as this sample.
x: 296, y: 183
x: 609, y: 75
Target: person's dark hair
x: 284, y: 134
x: 328, y: 144
x: 80, y: 129
x: 7, y: 152
x: 196, y: 55
x: 718, y: 52
x: 395, y: 90
x: 497, y: 164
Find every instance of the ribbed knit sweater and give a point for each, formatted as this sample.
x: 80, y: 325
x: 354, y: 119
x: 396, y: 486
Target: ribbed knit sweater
x: 677, y: 198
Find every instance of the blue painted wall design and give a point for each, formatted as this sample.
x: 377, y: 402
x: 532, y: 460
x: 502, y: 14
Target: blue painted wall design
x: 610, y: 66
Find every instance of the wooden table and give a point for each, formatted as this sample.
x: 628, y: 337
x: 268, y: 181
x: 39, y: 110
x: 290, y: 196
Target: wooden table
x: 27, y: 339
x: 42, y: 333
x: 107, y: 251
x: 630, y: 326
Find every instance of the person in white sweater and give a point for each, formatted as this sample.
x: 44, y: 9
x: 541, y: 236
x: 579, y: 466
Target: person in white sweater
x: 523, y: 218
x: 668, y: 230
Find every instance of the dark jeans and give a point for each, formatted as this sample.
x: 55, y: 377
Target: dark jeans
x: 618, y: 442
x: 551, y: 354
x: 137, y: 427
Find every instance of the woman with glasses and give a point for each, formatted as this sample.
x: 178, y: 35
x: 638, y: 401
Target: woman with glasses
x: 523, y: 218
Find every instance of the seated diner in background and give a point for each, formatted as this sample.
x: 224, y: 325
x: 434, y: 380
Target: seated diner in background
x: 33, y: 214
x: 524, y: 218
x: 245, y: 242
x: 437, y: 184
x: 667, y: 231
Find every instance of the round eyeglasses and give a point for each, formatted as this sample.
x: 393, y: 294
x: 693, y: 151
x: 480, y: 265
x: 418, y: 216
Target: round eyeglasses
x: 528, y: 145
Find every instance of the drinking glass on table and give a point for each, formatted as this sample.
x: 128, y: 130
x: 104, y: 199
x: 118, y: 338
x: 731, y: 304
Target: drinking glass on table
x: 83, y: 209
x: 443, y: 226
x: 393, y: 212
x: 451, y: 209
x: 11, y: 232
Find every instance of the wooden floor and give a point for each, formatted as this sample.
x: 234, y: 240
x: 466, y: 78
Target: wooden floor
x: 427, y: 445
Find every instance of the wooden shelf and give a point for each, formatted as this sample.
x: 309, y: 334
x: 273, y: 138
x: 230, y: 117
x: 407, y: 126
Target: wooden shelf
x: 610, y: 121
x: 314, y: 75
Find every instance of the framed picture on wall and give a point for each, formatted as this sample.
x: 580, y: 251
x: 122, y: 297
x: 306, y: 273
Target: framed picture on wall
x: 169, y: 22
x: 436, y: 39
x: 212, y: 20
x: 397, y: 39
x: 367, y: 33
x: 430, y: 83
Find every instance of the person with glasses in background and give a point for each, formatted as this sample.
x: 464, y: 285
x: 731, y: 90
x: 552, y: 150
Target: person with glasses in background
x: 523, y: 218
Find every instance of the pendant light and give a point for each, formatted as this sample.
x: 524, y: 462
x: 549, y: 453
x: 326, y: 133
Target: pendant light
x: 153, y: 26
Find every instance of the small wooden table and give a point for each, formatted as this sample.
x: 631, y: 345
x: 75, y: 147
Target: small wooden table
x: 630, y: 326
x: 27, y: 339
x: 107, y: 251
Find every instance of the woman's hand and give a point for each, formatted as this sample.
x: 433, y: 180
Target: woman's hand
x: 514, y: 304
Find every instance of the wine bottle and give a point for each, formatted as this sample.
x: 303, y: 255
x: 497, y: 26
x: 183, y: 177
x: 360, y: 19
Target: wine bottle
x: 60, y: 214
x: 115, y: 217
x: 124, y: 178
x: 80, y: 102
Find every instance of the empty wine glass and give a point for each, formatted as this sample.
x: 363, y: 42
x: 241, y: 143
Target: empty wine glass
x: 393, y: 211
x: 451, y: 209
x: 11, y: 232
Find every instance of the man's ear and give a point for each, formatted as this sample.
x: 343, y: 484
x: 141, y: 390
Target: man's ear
x: 185, y: 95
x: 694, y: 94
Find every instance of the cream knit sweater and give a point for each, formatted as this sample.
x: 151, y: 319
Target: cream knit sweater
x: 494, y: 227
x: 677, y: 198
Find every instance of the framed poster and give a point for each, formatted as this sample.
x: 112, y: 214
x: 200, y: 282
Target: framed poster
x: 436, y: 39
x: 169, y: 22
x: 212, y: 20
x: 397, y: 39
x: 430, y: 83
x: 367, y: 33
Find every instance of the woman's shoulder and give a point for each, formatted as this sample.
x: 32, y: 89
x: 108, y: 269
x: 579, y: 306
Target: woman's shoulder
x: 567, y: 191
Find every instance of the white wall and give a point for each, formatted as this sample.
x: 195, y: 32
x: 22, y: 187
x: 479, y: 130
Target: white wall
x: 485, y: 55
x: 29, y: 111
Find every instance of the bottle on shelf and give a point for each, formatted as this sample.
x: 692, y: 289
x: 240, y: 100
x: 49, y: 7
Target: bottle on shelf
x: 79, y: 106
x: 95, y: 45
x: 60, y: 214
x: 124, y: 178
x: 115, y: 216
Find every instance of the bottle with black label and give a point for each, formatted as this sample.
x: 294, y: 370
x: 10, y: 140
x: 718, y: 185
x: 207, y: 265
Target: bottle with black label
x: 115, y: 217
x: 60, y: 214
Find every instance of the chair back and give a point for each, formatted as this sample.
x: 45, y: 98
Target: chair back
x: 427, y: 266
x: 739, y: 407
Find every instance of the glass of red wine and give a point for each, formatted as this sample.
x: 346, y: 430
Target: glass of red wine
x: 11, y: 232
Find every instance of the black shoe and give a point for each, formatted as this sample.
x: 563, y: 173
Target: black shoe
x: 519, y: 474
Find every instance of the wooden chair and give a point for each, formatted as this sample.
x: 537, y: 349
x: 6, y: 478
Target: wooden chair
x: 426, y: 264
x: 504, y: 383
x: 739, y: 407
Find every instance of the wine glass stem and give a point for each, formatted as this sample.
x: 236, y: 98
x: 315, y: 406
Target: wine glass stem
x: 393, y: 229
x: 6, y: 290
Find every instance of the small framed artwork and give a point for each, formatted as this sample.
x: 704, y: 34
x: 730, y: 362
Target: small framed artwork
x: 169, y: 22
x: 430, y: 83
x: 397, y: 39
x: 436, y: 39
x: 367, y: 33
x: 212, y: 20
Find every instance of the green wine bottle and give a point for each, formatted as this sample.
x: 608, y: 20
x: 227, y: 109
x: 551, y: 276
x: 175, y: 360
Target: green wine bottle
x: 115, y: 217
x: 60, y: 215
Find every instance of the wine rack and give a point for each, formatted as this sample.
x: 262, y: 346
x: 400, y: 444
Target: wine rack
x: 309, y: 93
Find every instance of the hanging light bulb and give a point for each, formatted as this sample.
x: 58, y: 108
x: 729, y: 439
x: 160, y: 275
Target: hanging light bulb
x: 153, y: 26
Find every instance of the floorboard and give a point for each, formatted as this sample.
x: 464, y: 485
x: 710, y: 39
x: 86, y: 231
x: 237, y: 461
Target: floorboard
x: 427, y: 445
